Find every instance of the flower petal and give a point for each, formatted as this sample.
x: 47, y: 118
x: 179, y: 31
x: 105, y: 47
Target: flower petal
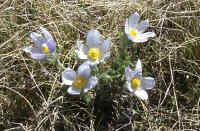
x: 133, y: 20
x: 143, y: 25
x: 51, y: 45
x: 93, y: 38
x: 142, y: 94
x: 93, y: 63
x: 74, y: 90
x: 105, y: 49
x: 138, y: 39
x: 36, y: 53
x: 68, y: 76
x: 148, y: 82
x: 84, y: 70
x: 141, y: 37
x: 138, y: 69
x: 148, y: 34
x: 46, y: 34
x: 128, y: 85
x: 27, y: 49
x: 129, y: 73
x: 37, y: 39
x: 49, y: 40
x: 92, y: 82
x: 81, y: 51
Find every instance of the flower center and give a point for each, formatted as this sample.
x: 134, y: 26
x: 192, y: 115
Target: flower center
x: 133, y: 32
x: 79, y: 81
x: 94, y: 53
x: 136, y: 82
x: 45, y: 48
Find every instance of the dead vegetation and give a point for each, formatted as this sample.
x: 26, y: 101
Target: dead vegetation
x: 31, y: 96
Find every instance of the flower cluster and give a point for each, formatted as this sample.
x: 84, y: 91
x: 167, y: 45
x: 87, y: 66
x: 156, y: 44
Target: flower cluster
x: 94, y: 52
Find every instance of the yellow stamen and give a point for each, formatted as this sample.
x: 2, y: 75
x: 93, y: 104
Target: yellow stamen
x: 94, y: 53
x: 136, y: 82
x: 79, y: 81
x: 133, y: 32
x: 45, y: 49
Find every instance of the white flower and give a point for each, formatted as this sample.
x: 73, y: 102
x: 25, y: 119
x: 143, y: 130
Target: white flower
x: 97, y: 50
x: 135, y: 29
x: 138, y: 84
x: 80, y: 81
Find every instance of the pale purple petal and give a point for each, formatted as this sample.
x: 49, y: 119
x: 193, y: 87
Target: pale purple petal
x: 84, y: 70
x: 93, y: 63
x: 81, y: 51
x: 74, y: 90
x: 92, y: 82
x: 128, y: 86
x: 93, y: 38
x: 138, y: 69
x: 46, y: 34
x: 137, y: 39
x: 51, y: 45
x: 147, y: 83
x: 130, y: 37
x: 28, y: 49
x: 37, y: 39
x: 49, y: 40
x: 68, y: 76
x: 147, y: 35
x: 36, y: 53
x: 105, y: 49
x: 142, y: 94
x: 133, y: 20
x: 129, y: 73
x: 140, y: 40
x: 142, y: 26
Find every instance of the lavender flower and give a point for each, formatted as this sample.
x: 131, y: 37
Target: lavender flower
x: 135, y: 29
x: 138, y: 84
x: 97, y: 50
x: 80, y: 81
x: 44, y: 45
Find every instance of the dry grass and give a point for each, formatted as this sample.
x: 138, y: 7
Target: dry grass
x: 31, y: 97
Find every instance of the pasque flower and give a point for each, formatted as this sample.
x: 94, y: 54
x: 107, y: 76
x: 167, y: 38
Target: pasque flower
x: 135, y: 29
x: 80, y: 81
x: 97, y: 49
x: 44, y: 44
x: 138, y: 84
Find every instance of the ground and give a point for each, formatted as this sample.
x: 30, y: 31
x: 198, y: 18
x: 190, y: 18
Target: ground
x: 33, y: 98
